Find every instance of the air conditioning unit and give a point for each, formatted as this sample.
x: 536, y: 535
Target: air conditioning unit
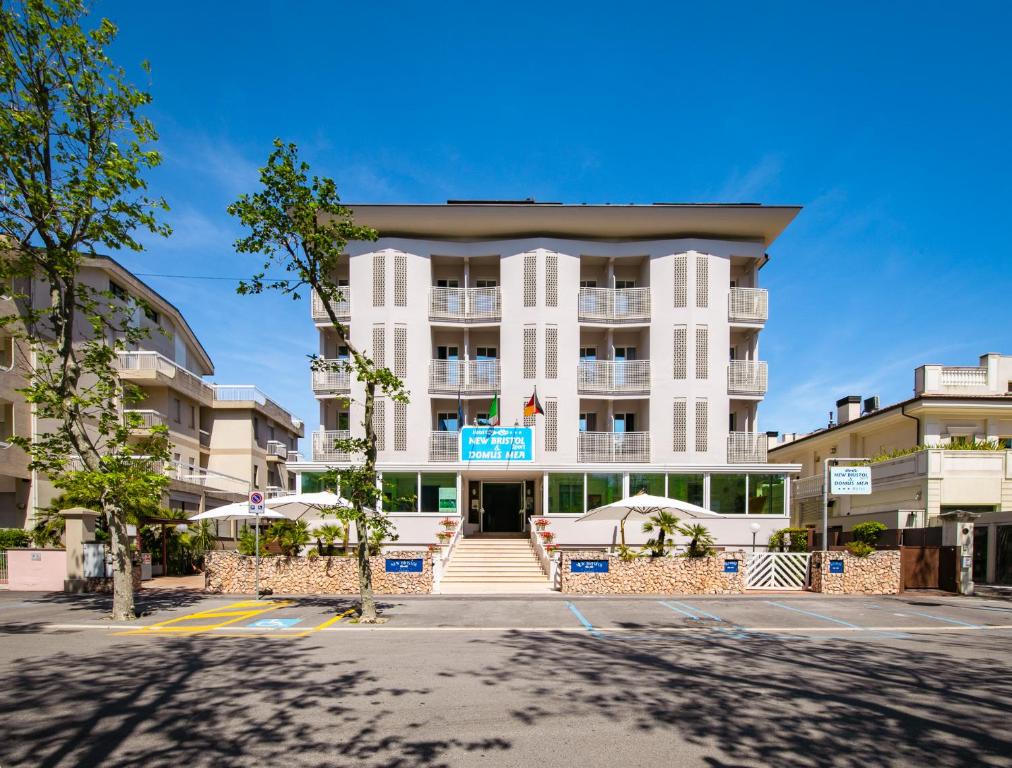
x: 871, y: 404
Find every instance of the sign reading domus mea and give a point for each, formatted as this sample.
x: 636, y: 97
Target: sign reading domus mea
x: 850, y: 481
x: 496, y: 444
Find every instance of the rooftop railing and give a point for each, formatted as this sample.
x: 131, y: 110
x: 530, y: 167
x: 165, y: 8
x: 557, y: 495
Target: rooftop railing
x: 250, y: 393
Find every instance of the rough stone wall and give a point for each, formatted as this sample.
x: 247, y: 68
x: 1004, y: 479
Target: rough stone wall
x: 878, y: 574
x: 232, y: 573
x: 655, y: 576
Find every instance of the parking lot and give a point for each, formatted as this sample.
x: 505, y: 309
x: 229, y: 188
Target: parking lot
x: 787, y: 680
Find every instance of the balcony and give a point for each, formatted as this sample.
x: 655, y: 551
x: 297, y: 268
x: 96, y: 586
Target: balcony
x: 465, y: 305
x: 148, y: 418
x: 746, y: 448
x: 205, y: 439
x: 323, y: 445
x: 614, y: 448
x: 294, y: 456
x: 748, y: 305
x: 470, y: 377
x: 747, y: 378
x: 273, y: 491
x: 156, y: 368
x: 444, y: 446
x: 614, y: 305
x: 250, y: 393
x: 613, y: 377
x: 277, y: 450
x: 808, y: 487
x: 342, y: 308
x: 332, y: 381
x: 192, y: 475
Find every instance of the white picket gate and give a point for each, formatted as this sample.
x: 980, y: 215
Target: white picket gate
x: 777, y: 570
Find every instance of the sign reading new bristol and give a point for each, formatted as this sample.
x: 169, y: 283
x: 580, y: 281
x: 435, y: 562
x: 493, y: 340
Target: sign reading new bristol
x: 850, y: 481
x: 497, y: 444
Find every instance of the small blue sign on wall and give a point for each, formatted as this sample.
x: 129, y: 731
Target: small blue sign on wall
x: 396, y: 565
x: 836, y: 566
x: 588, y: 566
x: 730, y: 566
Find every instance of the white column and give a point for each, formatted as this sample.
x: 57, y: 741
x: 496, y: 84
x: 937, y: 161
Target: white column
x: 544, y: 493
x: 459, y: 506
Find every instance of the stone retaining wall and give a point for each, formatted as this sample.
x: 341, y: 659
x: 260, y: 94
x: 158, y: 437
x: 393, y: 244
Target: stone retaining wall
x: 232, y: 573
x: 878, y: 574
x: 655, y: 576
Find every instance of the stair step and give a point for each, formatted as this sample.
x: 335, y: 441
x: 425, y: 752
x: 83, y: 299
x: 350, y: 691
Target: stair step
x: 494, y: 588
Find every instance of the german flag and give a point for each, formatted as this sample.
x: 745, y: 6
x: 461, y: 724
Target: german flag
x: 533, y: 406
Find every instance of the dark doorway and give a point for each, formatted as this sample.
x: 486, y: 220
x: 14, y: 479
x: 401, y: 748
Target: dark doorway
x: 502, y: 503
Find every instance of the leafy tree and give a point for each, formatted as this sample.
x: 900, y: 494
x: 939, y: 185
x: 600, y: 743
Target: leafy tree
x: 868, y: 532
x: 789, y: 540
x: 664, y: 524
x: 300, y: 227
x: 73, y: 151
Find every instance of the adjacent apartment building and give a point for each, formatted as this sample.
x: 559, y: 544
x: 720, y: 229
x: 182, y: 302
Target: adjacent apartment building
x: 920, y: 463
x: 226, y: 439
x: 639, y: 326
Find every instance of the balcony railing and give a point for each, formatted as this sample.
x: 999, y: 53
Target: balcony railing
x: 273, y: 491
x: 746, y: 377
x: 443, y: 446
x: 128, y: 362
x: 203, y: 477
x: 294, y: 456
x: 147, y: 418
x: 748, y: 305
x: 614, y: 376
x: 614, y: 305
x: 252, y: 393
x: 808, y: 487
x: 465, y: 305
x: 332, y: 381
x: 746, y: 448
x: 614, y: 447
x: 277, y: 448
x: 342, y: 308
x: 959, y: 376
x: 466, y: 376
x: 205, y: 438
x: 323, y: 445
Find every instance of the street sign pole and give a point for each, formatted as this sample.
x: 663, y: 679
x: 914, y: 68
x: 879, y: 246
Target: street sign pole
x: 825, y: 497
x: 256, y: 508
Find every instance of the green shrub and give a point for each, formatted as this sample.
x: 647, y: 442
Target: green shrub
x: 868, y: 533
x: 860, y: 548
x: 700, y: 540
x: 289, y: 536
x: 14, y: 537
x: 246, y: 544
x: 789, y: 540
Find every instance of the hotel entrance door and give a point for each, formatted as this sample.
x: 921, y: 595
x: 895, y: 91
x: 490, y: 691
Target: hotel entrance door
x: 503, y: 503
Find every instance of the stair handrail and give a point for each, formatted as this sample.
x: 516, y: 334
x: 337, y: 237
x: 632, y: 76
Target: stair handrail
x: 549, y: 564
x: 444, y: 557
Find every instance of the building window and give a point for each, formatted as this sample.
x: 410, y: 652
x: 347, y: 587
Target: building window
x: 766, y: 494
x: 702, y: 352
x: 702, y: 425
x: 702, y: 282
x: 680, y: 288
x: 400, y: 491
x: 379, y: 279
x: 588, y: 422
x: 486, y: 353
x: 343, y: 421
x: 531, y: 280
x: 551, y: 280
x: 400, y: 280
x: 400, y: 426
x: 603, y: 489
x: 118, y: 291
x: 530, y: 352
x: 651, y: 483
x: 400, y: 351
x: 6, y: 421
x: 588, y: 354
x: 551, y: 352
x: 6, y: 351
x: 177, y: 410
x: 446, y: 421
x: 565, y: 493
x: 727, y: 494
x: 686, y: 488
x: 680, y: 352
x: 436, y: 486
x: 551, y: 425
x: 678, y: 426
x: 379, y: 345
x: 624, y: 422
x: 150, y: 314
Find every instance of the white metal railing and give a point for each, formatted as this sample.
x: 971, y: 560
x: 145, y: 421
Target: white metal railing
x: 187, y: 473
x: 549, y: 562
x: 748, y: 305
x: 273, y: 491
x: 342, y: 308
x: 607, y: 376
x: 441, y: 558
x: 148, y: 418
x: 323, y: 445
x: 443, y: 446
x: 614, y: 447
x: 807, y: 487
x: 156, y: 361
x: 777, y: 570
x: 3, y: 568
x: 468, y: 376
x: 332, y: 379
x: 250, y: 393
x: 614, y: 304
x: 746, y: 377
x: 746, y: 448
x: 959, y: 376
x: 277, y: 448
x: 468, y: 305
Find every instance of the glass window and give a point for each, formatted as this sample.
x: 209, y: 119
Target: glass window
x: 727, y: 494
x: 400, y: 490
x: 766, y: 494
x: 432, y: 484
x: 565, y: 493
x: 603, y: 489
x: 686, y: 488
x: 647, y: 483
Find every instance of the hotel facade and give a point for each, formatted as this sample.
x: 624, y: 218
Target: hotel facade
x: 638, y: 325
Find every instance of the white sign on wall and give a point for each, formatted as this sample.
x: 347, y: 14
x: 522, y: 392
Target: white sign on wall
x: 850, y: 481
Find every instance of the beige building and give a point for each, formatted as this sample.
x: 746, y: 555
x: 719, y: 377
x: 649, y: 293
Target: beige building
x: 226, y: 439
x: 921, y: 467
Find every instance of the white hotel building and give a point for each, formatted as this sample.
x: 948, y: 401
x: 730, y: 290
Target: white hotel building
x: 638, y: 324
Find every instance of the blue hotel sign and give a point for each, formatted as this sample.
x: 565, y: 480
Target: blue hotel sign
x: 497, y: 444
x: 403, y: 566
x: 836, y: 566
x: 588, y: 566
x: 730, y: 566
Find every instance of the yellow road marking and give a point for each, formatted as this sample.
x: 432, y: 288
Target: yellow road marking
x: 324, y: 625
x: 215, y: 613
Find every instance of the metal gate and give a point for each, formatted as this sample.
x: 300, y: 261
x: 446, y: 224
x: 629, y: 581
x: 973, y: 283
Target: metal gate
x: 777, y: 570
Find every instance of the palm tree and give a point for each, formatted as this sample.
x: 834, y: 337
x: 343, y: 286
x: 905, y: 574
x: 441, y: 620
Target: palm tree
x: 664, y: 524
x: 330, y: 533
x: 700, y: 540
x: 289, y: 536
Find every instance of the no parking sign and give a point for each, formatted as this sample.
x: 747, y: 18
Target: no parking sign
x: 256, y: 503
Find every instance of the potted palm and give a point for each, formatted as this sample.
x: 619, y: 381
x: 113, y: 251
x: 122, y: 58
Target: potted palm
x: 663, y: 525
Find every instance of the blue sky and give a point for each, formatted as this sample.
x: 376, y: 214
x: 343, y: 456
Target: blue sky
x: 888, y: 122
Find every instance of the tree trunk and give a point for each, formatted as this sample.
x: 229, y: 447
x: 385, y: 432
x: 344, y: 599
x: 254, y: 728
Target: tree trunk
x: 366, y: 600
x: 122, y: 572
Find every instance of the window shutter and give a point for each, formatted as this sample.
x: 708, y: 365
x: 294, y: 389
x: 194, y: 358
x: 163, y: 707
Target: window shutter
x: 531, y: 280
x: 379, y: 279
x: 678, y: 426
x: 702, y: 281
x: 702, y: 352
x: 400, y: 280
x: 680, y: 352
x: 551, y: 352
x: 680, y: 289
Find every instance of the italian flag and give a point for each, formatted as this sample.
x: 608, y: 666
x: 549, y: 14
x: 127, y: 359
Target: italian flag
x: 493, y: 412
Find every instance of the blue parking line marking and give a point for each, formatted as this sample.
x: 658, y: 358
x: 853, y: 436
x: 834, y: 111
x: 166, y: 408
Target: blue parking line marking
x: 945, y: 619
x: 676, y: 609
x: 700, y: 611
x: 814, y: 614
x: 583, y: 620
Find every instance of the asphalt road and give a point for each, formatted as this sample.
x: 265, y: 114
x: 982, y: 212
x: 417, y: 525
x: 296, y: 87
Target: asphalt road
x: 775, y: 680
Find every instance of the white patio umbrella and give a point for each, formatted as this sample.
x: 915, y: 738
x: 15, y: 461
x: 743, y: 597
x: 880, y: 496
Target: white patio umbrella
x: 299, y: 505
x: 641, y: 506
x: 239, y: 509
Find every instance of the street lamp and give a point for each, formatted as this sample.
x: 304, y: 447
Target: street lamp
x: 755, y: 529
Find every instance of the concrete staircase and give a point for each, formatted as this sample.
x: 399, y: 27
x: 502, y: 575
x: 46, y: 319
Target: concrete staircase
x: 485, y: 566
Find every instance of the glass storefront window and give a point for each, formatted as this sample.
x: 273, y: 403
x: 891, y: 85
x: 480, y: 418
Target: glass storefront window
x: 565, y: 493
x: 648, y: 483
x: 312, y: 482
x: 727, y: 494
x: 766, y: 494
x: 686, y: 488
x: 603, y: 489
x: 431, y: 485
x: 400, y: 489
